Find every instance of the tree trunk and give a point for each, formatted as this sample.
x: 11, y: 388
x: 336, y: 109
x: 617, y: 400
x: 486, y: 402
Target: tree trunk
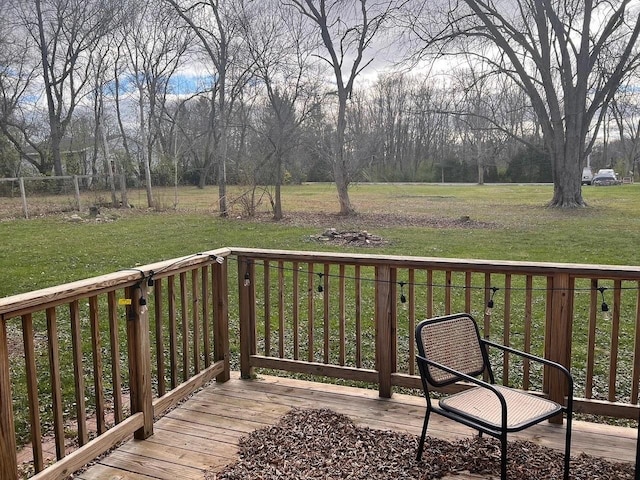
x: 277, y: 207
x: 146, y: 154
x: 340, y: 172
x: 109, y: 166
x: 222, y: 175
x: 567, y: 179
x: 56, y: 139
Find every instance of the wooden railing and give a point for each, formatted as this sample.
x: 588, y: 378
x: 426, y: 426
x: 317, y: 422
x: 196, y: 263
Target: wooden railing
x: 348, y: 316
x: 353, y: 317
x: 172, y: 316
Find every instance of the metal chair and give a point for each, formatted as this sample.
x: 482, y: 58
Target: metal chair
x: 451, y: 350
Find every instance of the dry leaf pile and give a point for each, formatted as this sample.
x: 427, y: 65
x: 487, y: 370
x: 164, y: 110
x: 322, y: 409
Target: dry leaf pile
x: 322, y: 444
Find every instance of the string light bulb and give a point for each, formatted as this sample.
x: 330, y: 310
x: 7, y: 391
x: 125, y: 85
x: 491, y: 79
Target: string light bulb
x: 320, y: 287
x: 489, y: 309
x: 247, y: 279
x: 604, y: 306
x: 403, y: 298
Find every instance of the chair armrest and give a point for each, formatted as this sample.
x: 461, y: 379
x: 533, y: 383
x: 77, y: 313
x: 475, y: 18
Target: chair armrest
x: 535, y: 358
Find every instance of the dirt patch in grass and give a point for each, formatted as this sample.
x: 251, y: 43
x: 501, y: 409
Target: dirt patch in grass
x: 308, y: 444
x: 370, y: 220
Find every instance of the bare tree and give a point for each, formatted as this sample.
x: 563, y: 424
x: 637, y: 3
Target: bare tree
x: 215, y: 24
x: 19, y: 66
x: 155, y: 45
x: 347, y: 31
x: 64, y: 33
x: 569, y: 58
x: 625, y: 109
x: 281, y: 60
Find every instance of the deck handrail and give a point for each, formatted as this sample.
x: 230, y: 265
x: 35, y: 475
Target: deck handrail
x: 340, y: 315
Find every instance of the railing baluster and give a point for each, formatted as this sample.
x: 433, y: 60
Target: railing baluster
x: 114, y: 342
x: 266, y: 276
x: 447, y: 292
x: 591, y: 338
x: 429, y: 293
x: 158, y: 302
x: 358, y: 314
x: 412, y: 321
x: 195, y: 312
x: 206, y: 319
x: 528, y: 312
x: 32, y: 392
x: 8, y: 458
x: 173, y: 330
x: 78, y: 370
x: 56, y: 387
x: 281, y: 316
x: 296, y: 311
x: 615, y: 340
x: 310, y: 313
x: 325, y: 311
x: 468, y: 279
x: 96, y: 348
x: 184, y: 316
x: 506, y: 333
x: 342, y: 327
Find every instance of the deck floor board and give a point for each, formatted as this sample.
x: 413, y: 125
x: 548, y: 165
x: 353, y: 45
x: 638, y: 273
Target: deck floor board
x: 203, y: 432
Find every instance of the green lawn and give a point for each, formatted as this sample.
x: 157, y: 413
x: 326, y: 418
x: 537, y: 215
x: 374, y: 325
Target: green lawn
x: 508, y: 222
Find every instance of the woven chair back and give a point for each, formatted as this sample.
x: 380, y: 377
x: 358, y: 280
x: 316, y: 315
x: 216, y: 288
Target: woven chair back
x: 453, y: 341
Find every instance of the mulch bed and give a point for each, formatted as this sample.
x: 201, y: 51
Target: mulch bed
x: 322, y: 444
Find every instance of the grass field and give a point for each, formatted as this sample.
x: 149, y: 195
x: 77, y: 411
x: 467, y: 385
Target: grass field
x: 507, y: 222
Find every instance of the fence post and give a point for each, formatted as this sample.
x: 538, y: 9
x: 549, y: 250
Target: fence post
x: 559, y: 336
x: 385, y: 335
x: 221, y: 318
x: 247, y: 313
x: 139, y: 345
x: 23, y: 194
x: 76, y: 188
x: 8, y: 459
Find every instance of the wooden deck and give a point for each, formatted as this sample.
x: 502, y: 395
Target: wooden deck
x: 203, y: 432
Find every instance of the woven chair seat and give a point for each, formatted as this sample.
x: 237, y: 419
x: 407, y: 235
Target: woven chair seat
x: 523, y: 409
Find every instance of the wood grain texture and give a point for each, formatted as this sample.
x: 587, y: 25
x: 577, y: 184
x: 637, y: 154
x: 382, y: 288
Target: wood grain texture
x: 204, y: 431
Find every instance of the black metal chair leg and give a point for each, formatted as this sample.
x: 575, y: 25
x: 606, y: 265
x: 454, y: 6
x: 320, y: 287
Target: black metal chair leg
x: 503, y: 457
x: 567, y: 448
x: 424, y: 434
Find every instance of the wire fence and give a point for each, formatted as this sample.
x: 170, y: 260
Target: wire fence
x: 30, y: 197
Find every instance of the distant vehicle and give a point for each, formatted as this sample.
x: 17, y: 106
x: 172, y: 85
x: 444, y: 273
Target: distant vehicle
x: 587, y: 176
x: 606, y: 178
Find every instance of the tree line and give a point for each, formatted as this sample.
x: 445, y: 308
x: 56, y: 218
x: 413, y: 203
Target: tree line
x: 274, y: 91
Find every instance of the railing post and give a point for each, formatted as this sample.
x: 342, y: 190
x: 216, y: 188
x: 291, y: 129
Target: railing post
x: 139, y: 345
x: 221, y: 318
x: 8, y: 459
x: 247, y: 313
x: 384, y: 313
x: 559, y: 336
